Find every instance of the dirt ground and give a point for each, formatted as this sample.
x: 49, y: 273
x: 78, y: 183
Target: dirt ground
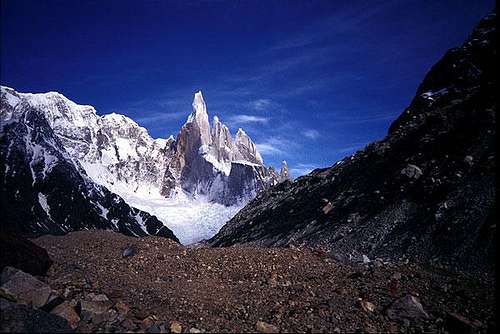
x: 169, y: 287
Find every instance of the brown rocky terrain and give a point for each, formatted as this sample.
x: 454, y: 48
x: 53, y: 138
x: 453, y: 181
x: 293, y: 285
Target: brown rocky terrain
x: 161, y: 286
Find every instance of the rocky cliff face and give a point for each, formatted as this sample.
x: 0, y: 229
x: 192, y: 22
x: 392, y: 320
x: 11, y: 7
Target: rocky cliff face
x: 44, y: 190
x: 207, y: 161
x: 426, y: 191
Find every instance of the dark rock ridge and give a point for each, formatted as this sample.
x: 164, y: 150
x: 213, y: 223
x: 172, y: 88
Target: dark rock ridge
x: 425, y: 192
x: 43, y: 190
x: 22, y: 254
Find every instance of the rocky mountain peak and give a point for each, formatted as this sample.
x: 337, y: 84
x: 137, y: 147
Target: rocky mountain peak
x: 284, y: 173
x: 223, y: 145
x: 119, y: 154
x: 247, y: 150
x: 209, y: 161
x: 199, y: 118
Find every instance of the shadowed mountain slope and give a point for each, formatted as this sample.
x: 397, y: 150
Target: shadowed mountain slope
x: 425, y: 192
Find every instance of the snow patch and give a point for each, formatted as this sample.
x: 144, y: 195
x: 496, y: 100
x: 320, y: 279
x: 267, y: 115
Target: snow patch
x: 42, y: 199
x: 104, y: 211
x: 430, y: 95
x: 224, y: 167
x: 191, y: 220
x: 140, y: 221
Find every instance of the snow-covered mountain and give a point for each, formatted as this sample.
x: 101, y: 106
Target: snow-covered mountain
x: 208, y: 161
x: 42, y: 188
x: 119, y: 154
x: 114, y: 151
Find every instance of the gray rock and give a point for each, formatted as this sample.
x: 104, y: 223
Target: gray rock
x: 95, y: 311
x: 129, y: 251
x: 97, y: 297
x: 469, y: 160
x: 412, y: 171
x: 26, y: 288
x: 407, y: 309
x: 327, y: 208
x: 264, y: 327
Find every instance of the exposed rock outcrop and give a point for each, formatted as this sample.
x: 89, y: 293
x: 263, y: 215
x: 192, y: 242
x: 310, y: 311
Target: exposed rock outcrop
x: 23, y: 254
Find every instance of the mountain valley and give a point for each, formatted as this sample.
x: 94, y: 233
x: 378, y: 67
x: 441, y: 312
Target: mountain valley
x: 107, y: 229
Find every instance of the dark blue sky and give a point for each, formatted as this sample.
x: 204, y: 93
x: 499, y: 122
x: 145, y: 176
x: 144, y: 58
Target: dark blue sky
x: 310, y: 81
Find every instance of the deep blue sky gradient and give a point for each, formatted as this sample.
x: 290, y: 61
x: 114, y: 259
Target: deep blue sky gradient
x: 310, y: 81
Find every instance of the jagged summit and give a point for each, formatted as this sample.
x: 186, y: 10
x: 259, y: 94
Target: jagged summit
x: 199, y: 107
x: 121, y: 155
x: 203, y: 162
x: 284, y: 173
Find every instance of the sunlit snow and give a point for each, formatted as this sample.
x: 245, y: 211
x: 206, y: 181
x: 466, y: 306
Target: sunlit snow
x: 191, y: 220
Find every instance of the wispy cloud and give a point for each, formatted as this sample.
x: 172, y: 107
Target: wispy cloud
x: 351, y: 148
x: 160, y: 117
x: 275, y: 146
x: 246, y: 119
x: 311, y: 133
x: 361, y: 120
x: 346, y: 19
x: 261, y: 104
x: 267, y: 148
x: 274, y: 67
x: 302, y: 169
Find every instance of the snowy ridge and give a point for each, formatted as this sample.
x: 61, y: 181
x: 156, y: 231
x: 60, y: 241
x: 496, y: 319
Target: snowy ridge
x: 49, y: 190
x: 185, y: 177
x: 113, y: 144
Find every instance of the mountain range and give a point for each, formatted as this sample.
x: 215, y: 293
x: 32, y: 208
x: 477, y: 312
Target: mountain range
x: 68, y: 168
x: 425, y: 192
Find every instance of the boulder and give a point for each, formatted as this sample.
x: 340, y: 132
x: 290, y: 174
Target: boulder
x: 66, y: 311
x: 264, y: 327
x: 23, y: 319
x: 25, y: 288
x: 175, y: 327
x: 97, y: 297
x: 412, y: 171
x: 129, y: 251
x: 407, y: 309
x: 23, y: 254
x: 95, y: 311
x: 367, y: 306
